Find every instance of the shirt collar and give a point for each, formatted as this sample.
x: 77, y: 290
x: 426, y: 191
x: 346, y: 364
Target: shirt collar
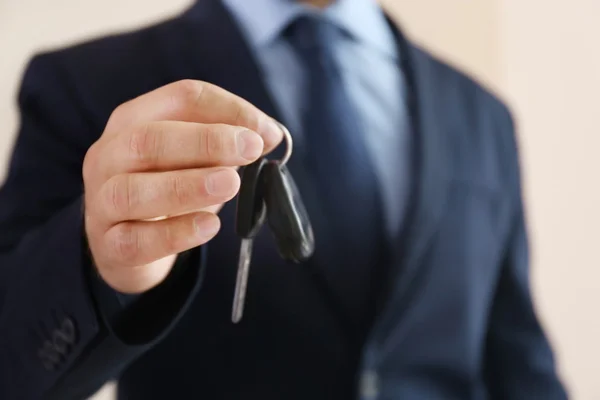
x: 264, y: 20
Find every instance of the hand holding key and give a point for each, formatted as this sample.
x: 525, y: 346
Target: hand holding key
x: 161, y: 171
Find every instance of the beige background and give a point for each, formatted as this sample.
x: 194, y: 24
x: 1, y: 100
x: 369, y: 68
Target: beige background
x: 543, y: 56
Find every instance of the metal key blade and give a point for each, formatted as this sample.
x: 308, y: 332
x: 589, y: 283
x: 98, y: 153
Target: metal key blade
x: 241, y: 282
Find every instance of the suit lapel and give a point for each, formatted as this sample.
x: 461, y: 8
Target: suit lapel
x: 429, y: 191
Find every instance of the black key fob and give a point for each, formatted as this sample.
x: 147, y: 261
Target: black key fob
x: 250, y: 213
x: 286, y: 214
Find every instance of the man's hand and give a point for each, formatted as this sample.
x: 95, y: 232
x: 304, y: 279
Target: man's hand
x: 160, y: 172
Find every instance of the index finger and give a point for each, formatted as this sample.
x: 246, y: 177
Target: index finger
x: 195, y: 101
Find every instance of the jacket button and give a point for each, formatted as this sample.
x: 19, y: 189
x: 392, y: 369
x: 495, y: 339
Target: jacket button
x: 69, y: 333
x: 64, y: 337
x: 369, y: 385
x: 54, y: 351
x: 61, y: 345
x: 48, y: 356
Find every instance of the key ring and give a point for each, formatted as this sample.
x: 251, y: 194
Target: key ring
x: 289, y: 144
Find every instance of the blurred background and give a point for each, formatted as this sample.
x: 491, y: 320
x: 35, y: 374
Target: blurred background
x: 541, y: 56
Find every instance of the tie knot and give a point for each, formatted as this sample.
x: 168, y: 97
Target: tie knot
x: 312, y: 32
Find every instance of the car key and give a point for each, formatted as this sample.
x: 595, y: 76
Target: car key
x: 286, y: 214
x: 250, y: 217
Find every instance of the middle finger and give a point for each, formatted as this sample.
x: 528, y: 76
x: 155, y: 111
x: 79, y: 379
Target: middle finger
x: 150, y: 195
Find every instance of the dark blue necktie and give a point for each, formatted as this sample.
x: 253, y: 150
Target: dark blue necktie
x: 339, y: 166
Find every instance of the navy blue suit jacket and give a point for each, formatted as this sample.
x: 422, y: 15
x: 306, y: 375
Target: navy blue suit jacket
x: 455, y: 321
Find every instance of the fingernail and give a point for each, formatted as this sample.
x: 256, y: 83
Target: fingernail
x: 206, y: 227
x: 249, y: 144
x: 221, y: 182
x: 271, y: 132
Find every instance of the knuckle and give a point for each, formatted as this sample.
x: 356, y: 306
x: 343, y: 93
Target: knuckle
x: 125, y: 243
x: 202, y: 92
x: 118, y: 195
x: 247, y: 116
x: 117, y: 115
x: 241, y: 115
x: 191, y: 90
x: 215, y: 142
x: 89, y: 163
x: 181, y: 189
x: 143, y: 144
x: 188, y: 86
x: 169, y: 241
x: 120, y: 109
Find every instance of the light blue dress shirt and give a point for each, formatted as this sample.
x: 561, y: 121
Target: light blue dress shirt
x: 369, y: 59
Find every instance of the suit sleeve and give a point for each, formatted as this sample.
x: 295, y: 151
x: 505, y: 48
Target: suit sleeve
x: 519, y: 361
x: 63, y: 332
